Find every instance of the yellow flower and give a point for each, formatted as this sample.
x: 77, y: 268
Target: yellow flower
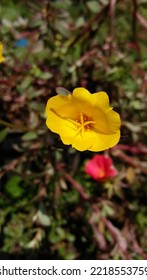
x: 84, y: 120
x: 1, y: 53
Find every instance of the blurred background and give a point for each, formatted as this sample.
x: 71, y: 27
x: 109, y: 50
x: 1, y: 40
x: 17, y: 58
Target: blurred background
x: 50, y: 207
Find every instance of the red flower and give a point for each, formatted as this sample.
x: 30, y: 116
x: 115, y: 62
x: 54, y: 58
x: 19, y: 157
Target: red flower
x: 100, y: 168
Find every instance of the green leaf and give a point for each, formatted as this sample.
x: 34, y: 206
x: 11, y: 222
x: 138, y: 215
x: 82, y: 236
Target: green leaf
x: 56, y: 235
x: 37, y: 106
x: 107, y: 210
x: 3, y: 134
x: 62, y: 27
x: 61, y: 4
x: 36, y: 71
x: 13, y: 187
x: 45, y: 75
x: 25, y: 83
x: 115, y: 73
x: 31, y: 135
x: 93, y: 6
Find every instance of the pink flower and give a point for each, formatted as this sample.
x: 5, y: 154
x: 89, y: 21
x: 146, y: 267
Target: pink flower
x: 100, y: 168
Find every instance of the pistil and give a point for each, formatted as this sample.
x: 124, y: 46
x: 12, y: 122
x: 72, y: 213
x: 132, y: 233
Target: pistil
x: 83, y: 123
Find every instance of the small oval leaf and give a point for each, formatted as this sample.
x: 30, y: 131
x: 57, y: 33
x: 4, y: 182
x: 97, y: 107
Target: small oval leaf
x: 62, y: 91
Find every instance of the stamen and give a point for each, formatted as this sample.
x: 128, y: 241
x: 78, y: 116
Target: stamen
x: 81, y: 124
x: 84, y: 123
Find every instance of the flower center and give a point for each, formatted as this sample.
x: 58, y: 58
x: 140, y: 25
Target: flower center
x: 83, y: 123
x: 101, y: 173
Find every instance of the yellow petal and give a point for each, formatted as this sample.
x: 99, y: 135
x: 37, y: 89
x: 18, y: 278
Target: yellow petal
x: 57, y: 102
x: 83, y: 141
x: 102, y: 142
x: 81, y: 94
x: 60, y: 125
x: 1, y: 53
x: 91, y: 141
x: 1, y: 59
x: 106, y: 121
x: 65, y: 106
x: 100, y: 99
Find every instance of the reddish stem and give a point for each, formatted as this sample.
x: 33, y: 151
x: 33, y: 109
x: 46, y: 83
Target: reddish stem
x: 77, y: 186
x: 111, y: 31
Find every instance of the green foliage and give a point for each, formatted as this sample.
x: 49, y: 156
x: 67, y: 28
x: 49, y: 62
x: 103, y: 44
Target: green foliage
x: 3, y: 134
x: 13, y: 187
x: 44, y: 212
